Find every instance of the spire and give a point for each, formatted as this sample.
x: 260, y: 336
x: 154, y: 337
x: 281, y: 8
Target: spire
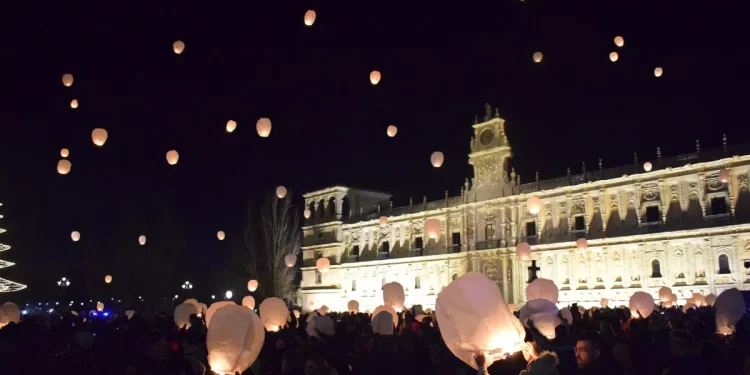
x: 487, y: 112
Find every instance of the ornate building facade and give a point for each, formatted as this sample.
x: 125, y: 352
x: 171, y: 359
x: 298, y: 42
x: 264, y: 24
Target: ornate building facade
x: 677, y: 225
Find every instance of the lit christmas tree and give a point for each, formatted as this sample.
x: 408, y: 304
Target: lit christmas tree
x: 7, y: 285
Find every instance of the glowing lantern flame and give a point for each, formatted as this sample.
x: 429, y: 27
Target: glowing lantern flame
x: 538, y: 57
x: 178, y: 47
x: 273, y: 313
x: 99, y: 136
x: 437, y: 159
x: 619, y: 41
x: 391, y: 131
x: 172, y: 157
x: 614, y: 56
x: 231, y: 125
x: 99, y: 307
x: 63, y: 166
x: 263, y: 127
x: 310, y: 17
x: 374, y: 77
x: 67, y: 79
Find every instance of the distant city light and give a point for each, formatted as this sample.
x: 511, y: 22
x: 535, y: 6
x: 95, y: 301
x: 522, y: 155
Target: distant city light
x: 228, y: 294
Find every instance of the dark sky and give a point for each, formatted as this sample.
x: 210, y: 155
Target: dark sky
x: 248, y: 59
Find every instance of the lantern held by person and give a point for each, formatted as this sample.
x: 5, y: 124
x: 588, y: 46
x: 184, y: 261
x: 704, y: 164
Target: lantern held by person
x: 730, y: 306
x: 542, y: 289
x: 604, y: 302
x: 273, y: 314
x: 665, y: 294
x: 353, y: 307
x: 215, y: 307
x: 234, y: 340
x: 643, y: 303
x: 393, y: 295
x: 389, y: 310
x: 182, y: 314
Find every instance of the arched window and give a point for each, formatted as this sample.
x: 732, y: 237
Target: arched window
x: 417, y: 283
x: 354, y: 285
x: 724, y: 264
x: 382, y: 284
x: 655, y: 268
x: 455, y: 276
x: 318, y: 277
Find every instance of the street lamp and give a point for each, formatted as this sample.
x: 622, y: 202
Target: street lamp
x: 228, y: 294
x: 63, y: 283
x: 187, y: 285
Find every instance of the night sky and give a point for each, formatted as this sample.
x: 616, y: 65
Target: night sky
x: 247, y: 59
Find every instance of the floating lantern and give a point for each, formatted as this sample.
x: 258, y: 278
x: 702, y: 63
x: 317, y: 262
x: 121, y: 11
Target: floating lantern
x: 389, y: 310
x: 108, y: 279
x: 534, y: 204
x: 307, y: 213
x: 178, y: 47
x: 614, y: 56
x: 383, y: 221
x: 536, y: 306
x: 220, y: 235
x: 63, y: 166
x: 432, y: 227
x: 296, y: 314
x: 393, y: 295
x: 67, y: 79
x: 665, y: 294
x: 542, y: 289
x: 182, y: 314
x: 724, y: 175
x: 647, y: 166
x: 231, y: 125
x: 382, y: 323
x: 252, y: 285
x: 582, y: 244
x: 474, y: 318
x: 538, y: 57
x: 353, y: 307
x: 546, y: 322
x: 99, y: 307
x: 699, y: 300
x: 391, y: 131
x: 64, y: 152
x: 263, y: 127
x: 523, y: 251
x: 99, y: 136
x: 290, y: 260
x: 281, y: 192
x: 194, y: 302
x: 710, y: 299
x: 641, y: 302
x: 437, y: 159
x: 234, y: 340
x: 172, y: 157
x: 273, y: 314
x: 142, y: 239
x: 9, y: 312
x: 619, y: 41
x: 730, y: 306
x: 215, y: 307
x: 310, y: 17
x: 74, y: 103
x: 75, y: 236
x: 658, y: 72
x: 249, y: 302
x: 323, y: 265
x: 604, y: 302
x: 374, y: 77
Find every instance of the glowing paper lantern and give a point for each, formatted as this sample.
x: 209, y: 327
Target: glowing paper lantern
x: 142, y: 240
x: 296, y: 314
x: 290, y: 260
x: 307, y: 213
x: 195, y: 303
x: 391, y: 131
x: 538, y: 57
x: 353, y: 306
x: 74, y: 103
x: 67, y: 79
x: 273, y: 314
x: 203, y: 308
x: 604, y: 302
x: 172, y: 157
x: 9, y: 312
x: 389, y: 310
x: 641, y: 302
x: 536, y: 306
x: 523, y: 251
x: 614, y: 56
x: 393, y: 295
x: 220, y: 235
x: 710, y: 299
x: 320, y: 325
x: 263, y: 127
x: 182, y: 314
x: 281, y: 192
x: 382, y: 323
x: 658, y: 72
x: 437, y: 159
x: 128, y: 313
x: 178, y: 47
x: 252, y: 285
x: 310, y: 17
x: 546, y: 322
x: 665, y: 294
x: 647, y: 166
x: 63, y: 166
x: 383, y: 221
x: 619, y: 41
x: 534, y: 205
x: 729, y: 307
x: 323, y: 265
x: 231, y: 125
x: 567, y: 315
x: 249, y: 302
x: 474, y: 318
x: 582, y: 244
x: 108, y: 279
x: 64, y: 152
x: 374, y: 77
x: 99, y: 136
x: 75, y: 236
x: 216, y: 306
x: 542, y: 289
x: 724, y: 175
x: 432, y: 227
x: 699, y: 300
x: 99, y: 307
x: 234, y: 340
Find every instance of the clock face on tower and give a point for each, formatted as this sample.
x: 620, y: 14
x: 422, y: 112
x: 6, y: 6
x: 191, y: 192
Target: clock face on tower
x: 486, y: 137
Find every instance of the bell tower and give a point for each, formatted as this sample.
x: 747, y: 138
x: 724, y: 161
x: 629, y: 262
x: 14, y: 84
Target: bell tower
x: 490, y: 154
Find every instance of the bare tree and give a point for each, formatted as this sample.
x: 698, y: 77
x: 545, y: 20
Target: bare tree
x: 278, y: 235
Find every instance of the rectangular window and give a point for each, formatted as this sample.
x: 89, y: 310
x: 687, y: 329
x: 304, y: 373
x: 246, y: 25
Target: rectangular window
x: 531, y: 229
x: 386, y: 247
x: 355, y: 250
x: 318, y: 278
x: 652, y: 214
x: 489, y: 232
x: 456, y: 238
x: 580, y: 223
x: 418, y: 243
x: 718, y: 206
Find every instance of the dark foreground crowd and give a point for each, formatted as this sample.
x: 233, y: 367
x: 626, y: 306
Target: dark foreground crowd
x: 606, y: 341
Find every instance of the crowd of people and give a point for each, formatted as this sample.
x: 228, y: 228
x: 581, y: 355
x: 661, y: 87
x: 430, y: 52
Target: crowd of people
x: 604, y: 341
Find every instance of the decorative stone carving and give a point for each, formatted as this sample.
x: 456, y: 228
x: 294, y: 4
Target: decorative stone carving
x: 742, y: 184
x: 596, y: 204
x: 649, y: 192
x: 578, y: 206
x: 548, y: 210
x: 488, y: 170
x: 563, y: 209
x: 674, y: 193
x: 631, y: 198
x: 693, y: 188
x: 417, y: 226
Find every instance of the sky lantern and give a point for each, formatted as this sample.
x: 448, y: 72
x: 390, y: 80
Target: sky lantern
x: 393, y: 295
x: 182, y: 314
x: 391, y: 131
x: 665, y: 294
x: 432, y: 227
x: 67, y: 79
x: 178, y: 47
x: 172, y: 157
x: 647, y: 166
x: 658, y: 72
x: 9, y: 312
x: 699, y: 300
x: 724, y: 175
x: 99, y: 136
x: 641, y: 302
x: 215, y: 307
x: 263, y: 127
x: 63, y: 166
x: 75, y: 236
x: 323, y: 265
x: 523, y: 251
x: 474, y: 318
x: 604, y: 302
x: 389, y: 310
x: 383, y: 221
x: 536, y: 306
x: 730, y: 306
x: 619, y: 41
x: 710, y: 299
x: 310, y: 17
x: 231, y: 125
x: 538, y: 57
x: 142, y: 239
x: 614, y: 56
x: 194, y: 302
x: 74, y: 103
x: 220, y: 235
x: 382, y: 323
x: 375, y: 77
x: 108, y: 279
x: 542, y: 289
x: 353, y: 307
x: 534, y: 204
x: 252, y: 285
x: 234, y: 340
x: 307, y: 213
x: 437, y: 159
x: 290, y: 260
x: 99, y: 307
x: 64, y: 152
x: 546, y: 322
x: 273, y: 314
x: 249, y: 302
x: 582, y: 244
x: 281, y: 192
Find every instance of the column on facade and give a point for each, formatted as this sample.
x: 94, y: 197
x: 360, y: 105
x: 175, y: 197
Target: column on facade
x: 664, y: 197
x: 730, y: 189
x: 513, y: 225
x: 501, y: 228
x: 504, y: 258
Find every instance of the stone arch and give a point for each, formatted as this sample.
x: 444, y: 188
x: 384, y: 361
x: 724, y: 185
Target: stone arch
x: 346, y: 210
x: 331, y: 208
x: 320, y: 212
x: 724, y: 267
x: 417, y: 283
x: 656, y: 268
x: 354, y: 285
